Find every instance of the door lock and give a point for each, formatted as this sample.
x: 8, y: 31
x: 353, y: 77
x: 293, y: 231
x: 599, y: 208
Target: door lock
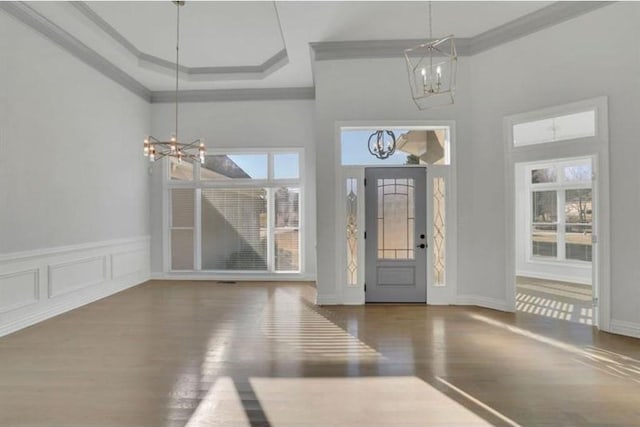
x: 421, y: 246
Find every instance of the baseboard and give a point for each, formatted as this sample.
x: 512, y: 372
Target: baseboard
x: 622, y: 327
x: 41, y: 284
x: 327, y: 299
x: 485, y: 302
x: 252, y: 277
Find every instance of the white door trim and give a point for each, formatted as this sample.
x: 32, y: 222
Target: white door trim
x: 596, y: 147
x: 355, y: 295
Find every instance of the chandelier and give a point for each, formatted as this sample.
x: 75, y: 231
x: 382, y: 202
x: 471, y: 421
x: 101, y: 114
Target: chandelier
x: 432, y: 70
x: 382, y: 143
x: 155, y: 148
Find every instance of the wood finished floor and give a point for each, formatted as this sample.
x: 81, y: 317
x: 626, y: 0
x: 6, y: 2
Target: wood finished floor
x: 255, y: 354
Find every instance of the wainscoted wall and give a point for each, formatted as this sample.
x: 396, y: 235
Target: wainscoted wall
x: 37, y: 285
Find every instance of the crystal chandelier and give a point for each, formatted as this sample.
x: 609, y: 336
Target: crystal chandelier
x: 432, y: 70
x: 382, y: 143
x: 155, y: 148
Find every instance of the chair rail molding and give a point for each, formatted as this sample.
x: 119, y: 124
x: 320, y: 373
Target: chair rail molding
x: 39, y: 284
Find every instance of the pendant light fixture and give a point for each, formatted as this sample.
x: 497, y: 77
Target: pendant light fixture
x: 432, y: 68
x: 382, y: 143
x: 155, y: 148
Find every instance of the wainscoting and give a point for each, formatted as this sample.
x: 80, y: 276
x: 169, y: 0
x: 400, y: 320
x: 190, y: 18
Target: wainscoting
x: 37, y: 285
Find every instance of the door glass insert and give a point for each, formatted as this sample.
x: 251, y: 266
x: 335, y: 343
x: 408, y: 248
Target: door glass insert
x: 352, y: 231
x: 438, y: 231
x: 396, y: 221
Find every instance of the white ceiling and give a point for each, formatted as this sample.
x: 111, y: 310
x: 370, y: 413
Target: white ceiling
x: 215, y: 34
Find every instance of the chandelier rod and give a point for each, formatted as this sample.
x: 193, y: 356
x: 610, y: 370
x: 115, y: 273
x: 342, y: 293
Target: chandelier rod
x: 430, y: 24
x: 177, y: 60
x: 430, y: 40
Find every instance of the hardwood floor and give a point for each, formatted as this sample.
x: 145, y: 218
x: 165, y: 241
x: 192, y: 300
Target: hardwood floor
x: 256, y: 354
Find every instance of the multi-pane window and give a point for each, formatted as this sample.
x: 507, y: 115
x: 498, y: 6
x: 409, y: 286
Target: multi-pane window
x: 561, y: 206
x: 236, y: 212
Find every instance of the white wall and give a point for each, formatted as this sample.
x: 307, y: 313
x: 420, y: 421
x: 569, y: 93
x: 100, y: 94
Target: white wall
x: 377, y: 90
x: 233, y: 125
x: 593, y: 55
x: 70, y: 169
x: 74, y: 216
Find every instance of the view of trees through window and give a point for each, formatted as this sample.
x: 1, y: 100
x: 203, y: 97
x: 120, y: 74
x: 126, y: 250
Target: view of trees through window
x: 562, y: 211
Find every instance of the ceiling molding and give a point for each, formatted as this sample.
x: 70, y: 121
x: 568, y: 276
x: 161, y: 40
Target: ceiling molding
x: 229, y: 95
x: 33, y: 19
x: 324, y: 51
x: 546, y: 17
x: 154, y: 63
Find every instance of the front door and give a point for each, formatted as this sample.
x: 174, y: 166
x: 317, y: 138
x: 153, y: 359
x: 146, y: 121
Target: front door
x: 395, y: 219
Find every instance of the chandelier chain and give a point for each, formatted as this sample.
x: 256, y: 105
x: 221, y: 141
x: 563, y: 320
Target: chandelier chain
x: 177, y: 60
x: 430, y: 23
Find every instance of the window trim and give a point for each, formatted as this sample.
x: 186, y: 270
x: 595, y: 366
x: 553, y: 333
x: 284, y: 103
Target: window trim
x: 270, y: 183
x: 560, y: 187
x: 597, y: 105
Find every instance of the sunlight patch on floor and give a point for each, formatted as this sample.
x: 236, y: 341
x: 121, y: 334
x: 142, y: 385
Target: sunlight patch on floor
x: 364, y: 401
x: 310, y: 334
x: 605, y: 361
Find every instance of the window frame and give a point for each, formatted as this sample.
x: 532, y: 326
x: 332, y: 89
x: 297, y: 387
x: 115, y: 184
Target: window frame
x: 560, y: 186
x: 597, y: 105
x: 270, y: 184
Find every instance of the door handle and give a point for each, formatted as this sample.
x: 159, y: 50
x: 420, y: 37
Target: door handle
x: 421, y: 246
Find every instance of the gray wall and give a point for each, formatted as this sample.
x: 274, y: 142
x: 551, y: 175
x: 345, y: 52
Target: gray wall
x: 377, y: 89
x: 71, y: 169
x: 593, y: 55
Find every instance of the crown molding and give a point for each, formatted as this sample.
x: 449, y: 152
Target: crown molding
x: 154, y: 63
x: 546, y: 17
x: 549, y: 16
x: 231, y: 95
x: 30, y: 17
x: 324, y: 51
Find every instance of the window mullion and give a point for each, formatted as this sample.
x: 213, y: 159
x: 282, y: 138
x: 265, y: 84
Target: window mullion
x: 198, y: 229
x: 270, y: 229
x: 561, y: 225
